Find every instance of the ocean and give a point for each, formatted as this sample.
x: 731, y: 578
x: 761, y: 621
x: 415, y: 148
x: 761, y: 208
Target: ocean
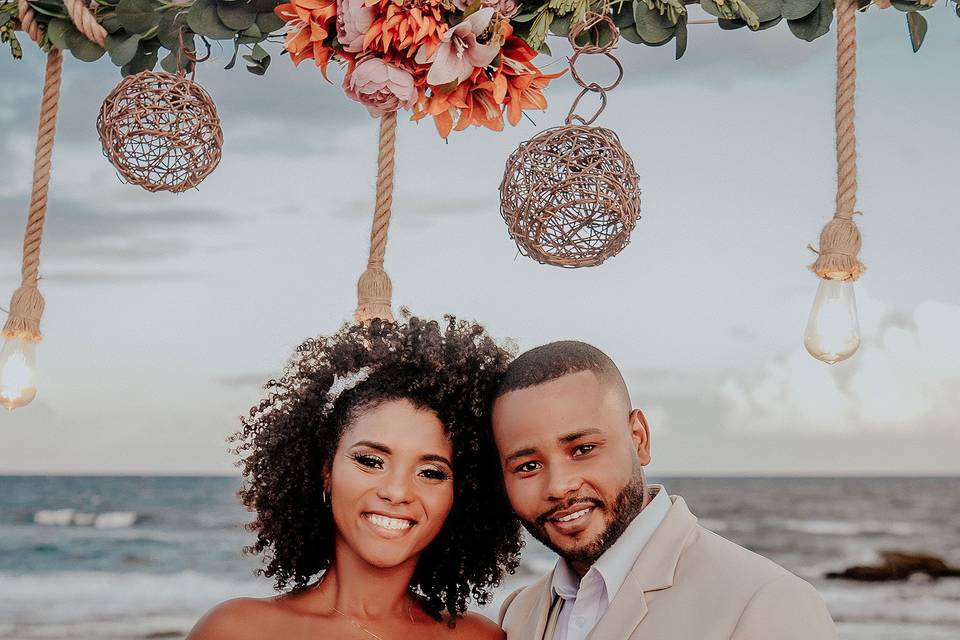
x: 140, y: 558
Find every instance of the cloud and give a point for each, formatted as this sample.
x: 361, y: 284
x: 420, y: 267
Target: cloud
x: 77, y: 229
x: 904, y: 380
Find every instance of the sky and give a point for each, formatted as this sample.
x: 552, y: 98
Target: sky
x: 166, y: 313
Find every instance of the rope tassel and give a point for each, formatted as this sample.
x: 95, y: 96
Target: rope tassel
x: 374, y: 290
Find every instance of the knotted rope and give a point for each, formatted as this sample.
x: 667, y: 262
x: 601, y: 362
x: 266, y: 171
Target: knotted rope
x: 374, y: 290
x: 27, y: 304
x: 840, y: 239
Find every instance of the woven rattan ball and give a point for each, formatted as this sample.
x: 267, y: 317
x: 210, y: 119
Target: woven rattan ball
x: 161, y: 131
x: 570, y: 196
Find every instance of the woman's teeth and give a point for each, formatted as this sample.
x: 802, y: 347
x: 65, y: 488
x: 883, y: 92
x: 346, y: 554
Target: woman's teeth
x: 389, y: 523
x: 574, y: 515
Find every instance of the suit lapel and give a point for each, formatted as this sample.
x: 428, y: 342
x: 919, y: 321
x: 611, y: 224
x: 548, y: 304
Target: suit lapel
x: 538, y: 611
x: 652, y: 571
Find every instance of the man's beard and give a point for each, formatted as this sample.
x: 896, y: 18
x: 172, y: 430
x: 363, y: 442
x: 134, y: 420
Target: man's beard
x: 626, y: 506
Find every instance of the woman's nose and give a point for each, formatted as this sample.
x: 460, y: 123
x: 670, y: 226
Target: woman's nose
x: 396, y: 487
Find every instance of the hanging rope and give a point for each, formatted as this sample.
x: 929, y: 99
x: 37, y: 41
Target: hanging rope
x: 374, y: 290
x: 26, y: 306
x: 840, y: 239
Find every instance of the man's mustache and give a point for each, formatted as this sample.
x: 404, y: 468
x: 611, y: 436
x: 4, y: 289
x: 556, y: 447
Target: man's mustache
x: 542, y: 519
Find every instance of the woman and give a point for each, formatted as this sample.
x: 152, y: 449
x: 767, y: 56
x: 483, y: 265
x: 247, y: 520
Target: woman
x: 370, y: 465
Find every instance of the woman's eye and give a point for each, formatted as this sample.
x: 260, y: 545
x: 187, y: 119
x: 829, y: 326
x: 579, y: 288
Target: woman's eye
x: 527, y: 467
x: 434, y: 474
x: 584, y: 448
x: 369, y: 461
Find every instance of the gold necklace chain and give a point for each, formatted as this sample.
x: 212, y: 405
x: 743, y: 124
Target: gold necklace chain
x: 364, y: 629
x: 357, y: 624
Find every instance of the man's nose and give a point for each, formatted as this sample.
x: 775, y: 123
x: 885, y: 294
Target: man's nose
x: 396, y: 487
x: 562, y: 480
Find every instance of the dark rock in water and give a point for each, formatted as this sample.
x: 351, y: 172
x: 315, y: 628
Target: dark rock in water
x: 898, y: 565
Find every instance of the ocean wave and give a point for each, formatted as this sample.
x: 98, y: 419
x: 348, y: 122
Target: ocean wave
x: 847, y: 528
x: 83, y: 596
x: 72, y: 517
x: 905, y: 602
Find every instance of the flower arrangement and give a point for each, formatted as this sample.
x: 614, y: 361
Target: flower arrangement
x: 460, y: 64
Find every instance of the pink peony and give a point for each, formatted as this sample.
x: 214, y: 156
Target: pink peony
x: 354, y: 18
x: 506, y: 8
x: 459, y: 53
x: 380, y: 87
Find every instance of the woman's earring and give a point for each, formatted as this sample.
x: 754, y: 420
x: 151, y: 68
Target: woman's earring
x: 324, y: 496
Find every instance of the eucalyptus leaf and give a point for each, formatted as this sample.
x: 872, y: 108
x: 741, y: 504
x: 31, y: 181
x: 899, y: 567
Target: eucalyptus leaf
x: 652, y: 27
x: 259, y: 54
x: 917, y: 26
x: 82, y: 49
x: 5, y: 18
x: 908, y: 6
x: 137, y: 16
x: 169, y: 62
x: 623, y: 14
x: 766, y: 10
x: 269, y: 22
x: 57, y: 30
x: 145, y: 60
x: 710, y: 7
x: 811, y: 27
x: 169, y: 30
x: 681, y: 37
x: 769, y: 23
x: 108, y: 20
x: 203, y: 20
x: 236, y: 15
x: 122, y: 47
x: 629, y: 33
x: 796, y: 9
x: 731, y: 25
x: 253, y: 31
x: 264, y: 6
x: 561, y: 24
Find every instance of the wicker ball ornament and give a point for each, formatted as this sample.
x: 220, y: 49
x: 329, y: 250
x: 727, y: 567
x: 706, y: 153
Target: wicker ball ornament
x: 160, y: 131
x: 570, y: 196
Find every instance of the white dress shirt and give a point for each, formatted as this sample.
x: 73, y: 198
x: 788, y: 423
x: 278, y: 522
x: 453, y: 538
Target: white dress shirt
x: 586, y: 599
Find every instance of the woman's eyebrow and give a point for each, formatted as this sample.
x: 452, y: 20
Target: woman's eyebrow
x: 382, y: 448
x: 435, y: 457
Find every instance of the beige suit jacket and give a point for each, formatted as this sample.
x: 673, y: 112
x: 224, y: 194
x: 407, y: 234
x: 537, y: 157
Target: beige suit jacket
x: 687, y: 584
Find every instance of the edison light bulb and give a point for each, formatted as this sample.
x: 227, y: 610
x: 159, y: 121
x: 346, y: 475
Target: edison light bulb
x: 833, y: 330
x: 17, y: 373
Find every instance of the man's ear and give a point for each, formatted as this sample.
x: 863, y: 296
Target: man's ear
x: 640, y: 432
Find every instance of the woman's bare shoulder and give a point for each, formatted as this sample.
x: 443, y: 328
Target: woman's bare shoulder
x: 474, y: 626
x: 237, y: 619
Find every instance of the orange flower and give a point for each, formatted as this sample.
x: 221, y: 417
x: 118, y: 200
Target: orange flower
x: 311, y: 23
x: 403, y: 27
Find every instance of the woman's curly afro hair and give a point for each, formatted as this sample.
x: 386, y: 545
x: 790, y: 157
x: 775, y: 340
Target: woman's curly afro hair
x: 451, y: 369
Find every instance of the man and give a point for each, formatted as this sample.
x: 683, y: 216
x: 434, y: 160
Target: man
x: 633, y: 562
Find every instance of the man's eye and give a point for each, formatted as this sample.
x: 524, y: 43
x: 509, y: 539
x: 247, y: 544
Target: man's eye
x: 527, y: 467
x: 584, y: 448
x: 368, y: 461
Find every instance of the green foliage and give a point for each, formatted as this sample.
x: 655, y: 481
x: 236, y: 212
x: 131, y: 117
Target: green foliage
x: 143, y: 33
x: 9, y: 23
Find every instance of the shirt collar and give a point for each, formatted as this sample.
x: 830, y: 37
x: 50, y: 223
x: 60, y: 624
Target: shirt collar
x: 616, y: 562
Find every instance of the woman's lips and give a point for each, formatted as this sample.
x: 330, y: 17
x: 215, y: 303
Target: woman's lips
x: 390, y: 527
